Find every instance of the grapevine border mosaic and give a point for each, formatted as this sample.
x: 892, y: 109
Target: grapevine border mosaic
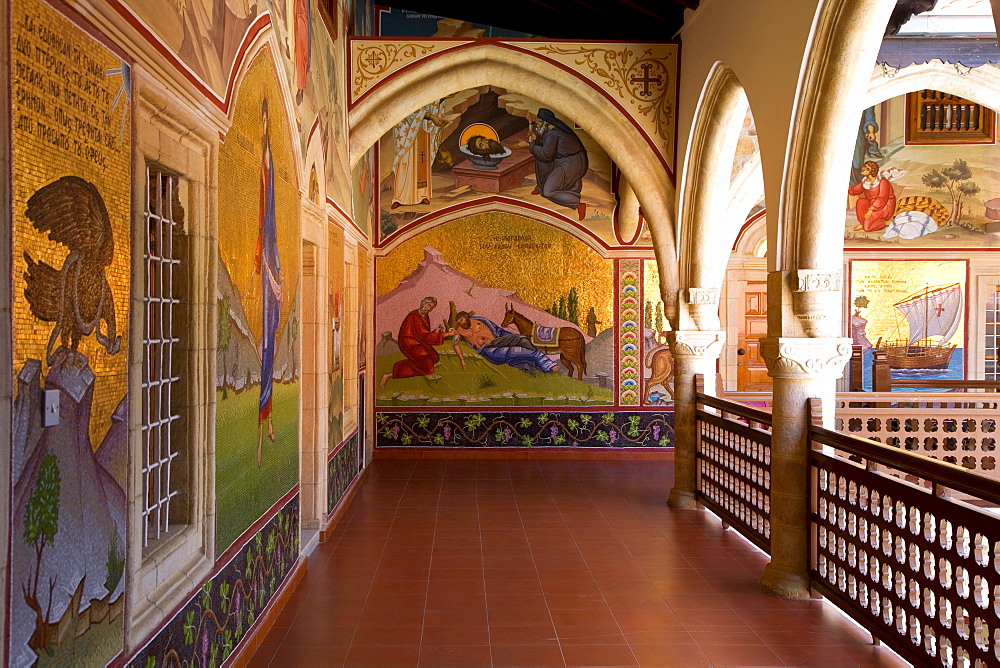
x: 645, y: 429
x: 220, y: 614
x: 342, y: 469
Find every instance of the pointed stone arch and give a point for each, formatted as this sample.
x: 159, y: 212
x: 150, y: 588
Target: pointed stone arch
x: 979, y: 84
x: 704, y: 195
x: 846, y: 35
x: 524, y: 73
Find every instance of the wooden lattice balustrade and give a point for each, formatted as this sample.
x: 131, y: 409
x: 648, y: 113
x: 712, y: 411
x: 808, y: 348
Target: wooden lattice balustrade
x: 905, y: 534
x: 916, y: 566
x: 733, y: 462
x: 958, y: 428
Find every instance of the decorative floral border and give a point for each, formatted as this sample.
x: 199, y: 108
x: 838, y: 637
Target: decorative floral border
x: 220, y: 615
x: 628, y: 332
x: 526, y: 429
x: 341, y: 469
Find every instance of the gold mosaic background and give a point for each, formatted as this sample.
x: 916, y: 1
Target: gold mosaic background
x: 885, y: 282
x: 480, y: 246
x: 65, y: 124
x: 364, y: 314
x: 239, y: 190
x: 336, y: 286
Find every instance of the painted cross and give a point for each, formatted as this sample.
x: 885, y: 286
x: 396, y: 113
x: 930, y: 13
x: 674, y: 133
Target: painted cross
x: 374, y: 59
x: 646, y: 79
x: 938, y: 310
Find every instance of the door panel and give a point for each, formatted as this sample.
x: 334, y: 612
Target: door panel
x: 751, y: 371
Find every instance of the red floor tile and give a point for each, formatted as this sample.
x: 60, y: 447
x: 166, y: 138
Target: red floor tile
x: 543, y: 563
x: 527, y: 655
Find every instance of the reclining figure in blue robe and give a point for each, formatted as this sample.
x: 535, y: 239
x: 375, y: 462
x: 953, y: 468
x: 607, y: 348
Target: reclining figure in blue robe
x: 498, y: 345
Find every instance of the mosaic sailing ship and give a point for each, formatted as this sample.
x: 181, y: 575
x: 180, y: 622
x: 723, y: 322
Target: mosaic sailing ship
x: 931, y: 312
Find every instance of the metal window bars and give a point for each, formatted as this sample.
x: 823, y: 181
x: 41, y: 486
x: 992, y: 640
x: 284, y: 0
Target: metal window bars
x: 159, y: 382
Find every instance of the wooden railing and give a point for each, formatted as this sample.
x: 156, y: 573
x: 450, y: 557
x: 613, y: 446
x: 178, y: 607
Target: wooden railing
x: 900, y: 541
x: 958, y: 428
x: 913, y: 565
x: 733, y: 464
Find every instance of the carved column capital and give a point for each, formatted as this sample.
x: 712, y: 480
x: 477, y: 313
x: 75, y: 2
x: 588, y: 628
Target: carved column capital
x: 806, y: 358
x: 704, y: 307
x: 818, y: 280
x: 816, y: 301
x: 703, y: 295
x: 696, y: 343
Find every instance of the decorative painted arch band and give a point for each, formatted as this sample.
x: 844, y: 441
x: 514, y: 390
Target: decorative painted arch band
x: 500, y: 203
x: 639, y: 80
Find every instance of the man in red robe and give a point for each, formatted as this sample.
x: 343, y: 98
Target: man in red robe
x: 876, y: 199
x: 416, y: 342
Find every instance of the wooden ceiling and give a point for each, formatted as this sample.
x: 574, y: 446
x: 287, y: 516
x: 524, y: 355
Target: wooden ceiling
x: 633, y: 20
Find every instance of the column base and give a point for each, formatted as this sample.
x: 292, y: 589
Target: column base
x: 785, y: 584
x: 681, y: 499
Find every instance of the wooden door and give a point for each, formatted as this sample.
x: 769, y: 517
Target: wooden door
x: 751, y: 371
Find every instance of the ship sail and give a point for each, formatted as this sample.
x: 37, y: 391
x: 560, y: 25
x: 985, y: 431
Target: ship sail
x: 933, y: 312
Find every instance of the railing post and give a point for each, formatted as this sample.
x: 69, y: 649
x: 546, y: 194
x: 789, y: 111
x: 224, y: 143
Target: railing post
x: 815, y: 407
x: 801, y: 368
x: 856, y: 381
x: 695, y: 353
x: 881, y: 375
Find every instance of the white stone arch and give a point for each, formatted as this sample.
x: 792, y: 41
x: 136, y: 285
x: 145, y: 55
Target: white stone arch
x: 979, y: 84
x: 704, y: 193
x: 808, y: 224
x: 527, y: 74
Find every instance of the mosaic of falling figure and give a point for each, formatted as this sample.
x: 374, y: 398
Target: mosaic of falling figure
x: 76, y: 297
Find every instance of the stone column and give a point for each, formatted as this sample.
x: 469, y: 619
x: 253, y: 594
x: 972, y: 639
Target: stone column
x: 695, y: 352
x: 801, y: 368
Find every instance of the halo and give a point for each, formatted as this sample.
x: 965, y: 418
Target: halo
x: 478, y: 129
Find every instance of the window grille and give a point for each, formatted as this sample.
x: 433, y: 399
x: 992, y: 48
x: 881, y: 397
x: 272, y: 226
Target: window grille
x: 160, y: 386
x: 933, y: 117
x: 992, y: 347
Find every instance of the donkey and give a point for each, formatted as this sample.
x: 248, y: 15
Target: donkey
x: 570, y: 345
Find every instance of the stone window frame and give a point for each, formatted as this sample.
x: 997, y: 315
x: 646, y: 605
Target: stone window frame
x: 172, y: 135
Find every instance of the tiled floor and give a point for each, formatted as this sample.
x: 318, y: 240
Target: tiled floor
x: 544, y: 563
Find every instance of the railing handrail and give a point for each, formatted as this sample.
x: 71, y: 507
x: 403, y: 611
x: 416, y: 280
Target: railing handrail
x: 924, y: 397
x: 954, y: 384
x: 938, y: 472
x: 735, y: 408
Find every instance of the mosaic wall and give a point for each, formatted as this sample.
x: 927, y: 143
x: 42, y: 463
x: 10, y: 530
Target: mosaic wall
x: 487, y: 142
x: 314, y: 62
x: 337, y: 311
x: 258, y: 290
x: 658, y: 363
x: 208, y: 37
x: 629, y: 298
x: 364, y: 281
x: 220, y: 615
x: 206, y: 41
x: 524, y: 317
x: 920, y: 193
x: 915, y: 311
x: 343, y: 467
x: 526, y: 429
x: 363, y: 191
x: 71, y: 117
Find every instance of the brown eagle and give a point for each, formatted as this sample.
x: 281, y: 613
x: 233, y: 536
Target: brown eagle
x: 77, y: 296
